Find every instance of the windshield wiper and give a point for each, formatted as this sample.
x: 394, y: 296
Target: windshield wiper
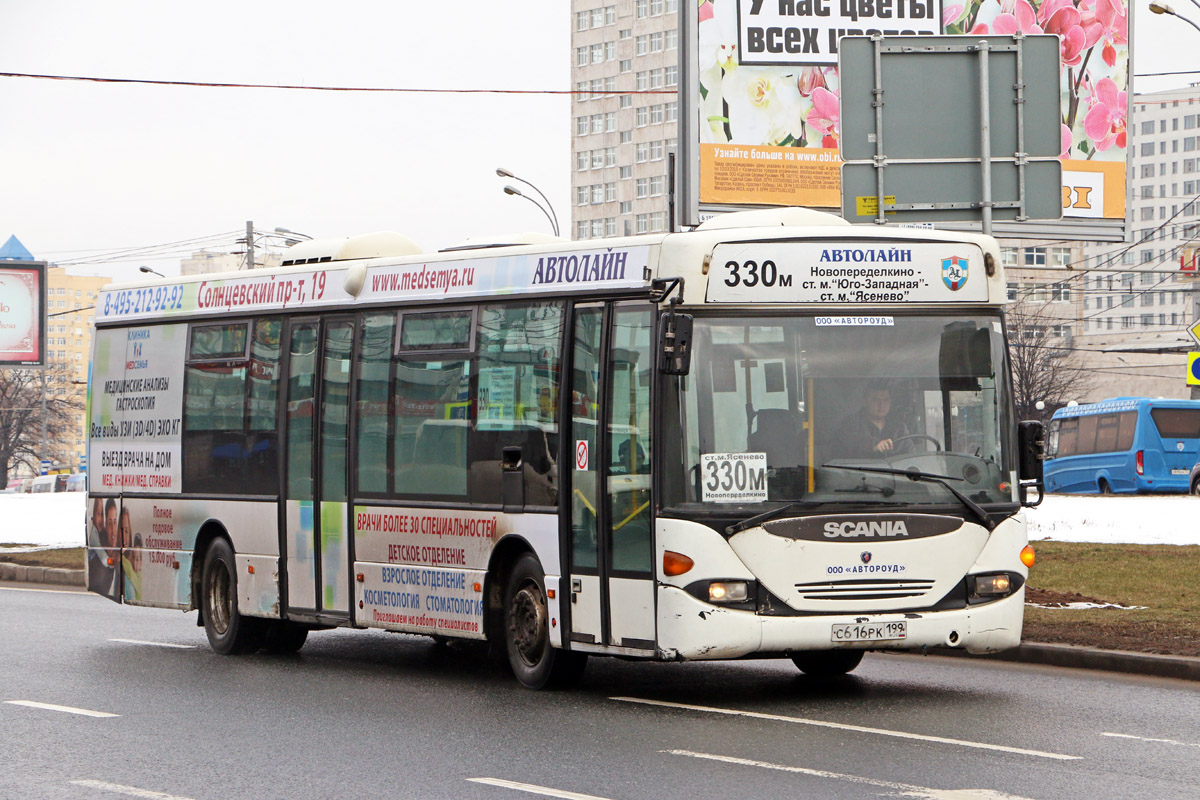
x: 914, y: 474
x: 766, y: 516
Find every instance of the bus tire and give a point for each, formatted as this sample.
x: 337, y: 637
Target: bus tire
x: 1196, y: 487
x: 1105, y: 488
x: 828, y: 663
x: 282, y: 637
x: 229, y: 633
x: 534, y: 662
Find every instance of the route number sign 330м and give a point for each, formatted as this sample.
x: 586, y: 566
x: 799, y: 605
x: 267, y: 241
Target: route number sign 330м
x: 734, y: 477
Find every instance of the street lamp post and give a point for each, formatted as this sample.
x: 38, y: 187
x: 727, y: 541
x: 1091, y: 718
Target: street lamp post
x: 548, y: 209
x: 1163, y: 8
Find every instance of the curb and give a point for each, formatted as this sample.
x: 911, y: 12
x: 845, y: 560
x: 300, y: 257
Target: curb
x: 1053, y: 655
x: 19, y: 573
x: 1076, y: 657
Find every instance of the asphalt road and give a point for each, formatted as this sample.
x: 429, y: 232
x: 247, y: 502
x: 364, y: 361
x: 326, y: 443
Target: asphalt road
x: 361, y: 714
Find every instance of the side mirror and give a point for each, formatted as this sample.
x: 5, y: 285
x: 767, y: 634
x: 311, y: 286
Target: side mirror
x: 1031, y: 443
x: 675, y: 343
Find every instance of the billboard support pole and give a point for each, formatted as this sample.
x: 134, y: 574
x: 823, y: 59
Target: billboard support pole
x: 985, y: 138
x: 880, y: 156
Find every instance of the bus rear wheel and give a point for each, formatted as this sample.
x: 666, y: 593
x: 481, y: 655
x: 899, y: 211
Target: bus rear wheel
x: 229, y: 633
x: 1105, y: 488
x: 828, y: 663
x: 535, y: 663
x: 1196, y: 487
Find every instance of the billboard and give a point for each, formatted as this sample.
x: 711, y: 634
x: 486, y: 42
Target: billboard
x: 764, y: 125
x: 22, y: 313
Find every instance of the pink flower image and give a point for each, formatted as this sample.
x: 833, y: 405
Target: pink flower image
x: 1022, y: 18
x: 1067, y: 138
x: 1105, y: 120
x: 824, y: 116
x: 950, y: 14
x: 706, y: 10
x: 810, y: 78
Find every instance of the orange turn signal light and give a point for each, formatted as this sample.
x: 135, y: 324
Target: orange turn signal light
x: 1027, y: 557
x: 550, y: 593
x: 250, y: 568
x: 676, y: 563
x: 360, y: 577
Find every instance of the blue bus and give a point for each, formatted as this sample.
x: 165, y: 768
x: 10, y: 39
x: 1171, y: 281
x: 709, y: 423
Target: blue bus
x: 1123, y: 445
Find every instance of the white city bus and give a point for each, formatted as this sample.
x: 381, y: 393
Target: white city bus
x: 639, y: 447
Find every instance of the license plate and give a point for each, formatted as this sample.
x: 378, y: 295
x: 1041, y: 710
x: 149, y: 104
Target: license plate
x: 870, y: 632
x: 1179, y: 472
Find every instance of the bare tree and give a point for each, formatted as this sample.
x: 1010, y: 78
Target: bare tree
x: 1045, y: 367
x: 21, y: 420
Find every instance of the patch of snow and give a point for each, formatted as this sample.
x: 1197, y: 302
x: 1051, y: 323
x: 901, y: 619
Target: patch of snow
x: 52, y: 520
x: 1133, y: 519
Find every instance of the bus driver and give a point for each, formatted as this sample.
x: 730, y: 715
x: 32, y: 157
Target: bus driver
x: 869, y: 432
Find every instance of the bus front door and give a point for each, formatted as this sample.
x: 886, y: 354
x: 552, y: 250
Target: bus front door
x: 611, y: 552
x: 315, y: 482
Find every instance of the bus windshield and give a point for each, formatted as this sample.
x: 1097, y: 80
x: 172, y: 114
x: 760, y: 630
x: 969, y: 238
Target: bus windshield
x: 786, y: 408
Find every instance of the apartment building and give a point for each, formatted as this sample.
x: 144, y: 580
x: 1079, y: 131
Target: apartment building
x: 1136, y: 298
x: 625, y: 72
x: 70, y: 300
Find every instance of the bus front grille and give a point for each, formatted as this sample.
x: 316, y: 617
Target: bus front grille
x: 864, y: 589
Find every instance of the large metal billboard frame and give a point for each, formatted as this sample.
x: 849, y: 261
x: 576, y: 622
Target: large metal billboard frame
x: 1095, y: 80
x: 22, y: 314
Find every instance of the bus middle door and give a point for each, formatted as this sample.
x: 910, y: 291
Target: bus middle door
x: 316, y: 536
x: 611, y: 552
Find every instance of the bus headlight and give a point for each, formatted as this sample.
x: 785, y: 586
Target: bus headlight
x: 993, y: 585
x: 728, y: 592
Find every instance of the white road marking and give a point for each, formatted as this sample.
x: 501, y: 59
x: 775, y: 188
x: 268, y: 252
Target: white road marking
x: 844, y: 727
x: 906, y: 789
x: 1148, y: 739
x: 545, y: 791
x: 67, y: 709
x: 128, y: 791
x: 155, y: 644
x: 43, y: 591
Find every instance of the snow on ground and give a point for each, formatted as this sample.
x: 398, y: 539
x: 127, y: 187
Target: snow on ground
x: 1136, y: 519
x: 57, y: 520
x: 54, y: 520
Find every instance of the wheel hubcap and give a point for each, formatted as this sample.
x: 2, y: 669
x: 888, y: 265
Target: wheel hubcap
x: 527, y: 623
x: 218, y: 600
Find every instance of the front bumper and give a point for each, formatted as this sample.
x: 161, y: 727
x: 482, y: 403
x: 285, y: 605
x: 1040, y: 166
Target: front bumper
x: 692, y: 629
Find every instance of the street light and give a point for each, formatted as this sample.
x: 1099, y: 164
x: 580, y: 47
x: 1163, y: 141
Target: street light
x: 1163, y: 8
x: 151, y: 271
x: 517, y: 192
x: 548, y: 210
x: 293, y: 235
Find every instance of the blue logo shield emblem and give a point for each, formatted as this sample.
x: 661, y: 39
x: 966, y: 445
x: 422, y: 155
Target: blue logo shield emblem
x: 954, y: 272
x: 865, y: 557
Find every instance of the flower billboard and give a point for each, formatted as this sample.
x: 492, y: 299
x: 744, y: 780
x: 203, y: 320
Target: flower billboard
x: 22, y: 313
x: 767, y: 91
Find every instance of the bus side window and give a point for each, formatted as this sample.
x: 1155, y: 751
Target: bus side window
x: 516, y: 398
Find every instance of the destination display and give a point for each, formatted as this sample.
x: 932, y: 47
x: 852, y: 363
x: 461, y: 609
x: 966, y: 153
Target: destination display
x: 850, y: 272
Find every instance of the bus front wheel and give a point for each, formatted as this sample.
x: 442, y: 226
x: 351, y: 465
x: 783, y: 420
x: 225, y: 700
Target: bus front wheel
x: 534, y: 662
x: 828, y: 663
x: 229, y: 633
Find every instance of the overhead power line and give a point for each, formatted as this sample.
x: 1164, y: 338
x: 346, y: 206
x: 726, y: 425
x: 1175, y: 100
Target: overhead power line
x: 299, y: 87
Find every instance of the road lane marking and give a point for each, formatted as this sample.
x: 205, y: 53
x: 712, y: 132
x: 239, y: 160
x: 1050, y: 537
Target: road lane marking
x: 545, y: 791
x: 920, y: 737
x: 129, y: 791
x: 43, y: 591
x: 909, y: 790
x: 66, y: 709
x: 155, y: 644
x: 1148, y: 739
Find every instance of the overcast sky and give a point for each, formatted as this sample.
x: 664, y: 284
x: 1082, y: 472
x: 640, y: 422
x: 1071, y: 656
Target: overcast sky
x: 91, y: 167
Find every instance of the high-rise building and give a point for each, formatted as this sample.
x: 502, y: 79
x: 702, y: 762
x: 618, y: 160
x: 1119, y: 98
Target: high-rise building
x: 70, y: 301
x: 1136, y: 299
x: 625, y: 115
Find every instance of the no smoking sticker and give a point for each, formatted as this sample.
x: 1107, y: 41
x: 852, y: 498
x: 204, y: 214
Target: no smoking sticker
x: 581, y: 455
